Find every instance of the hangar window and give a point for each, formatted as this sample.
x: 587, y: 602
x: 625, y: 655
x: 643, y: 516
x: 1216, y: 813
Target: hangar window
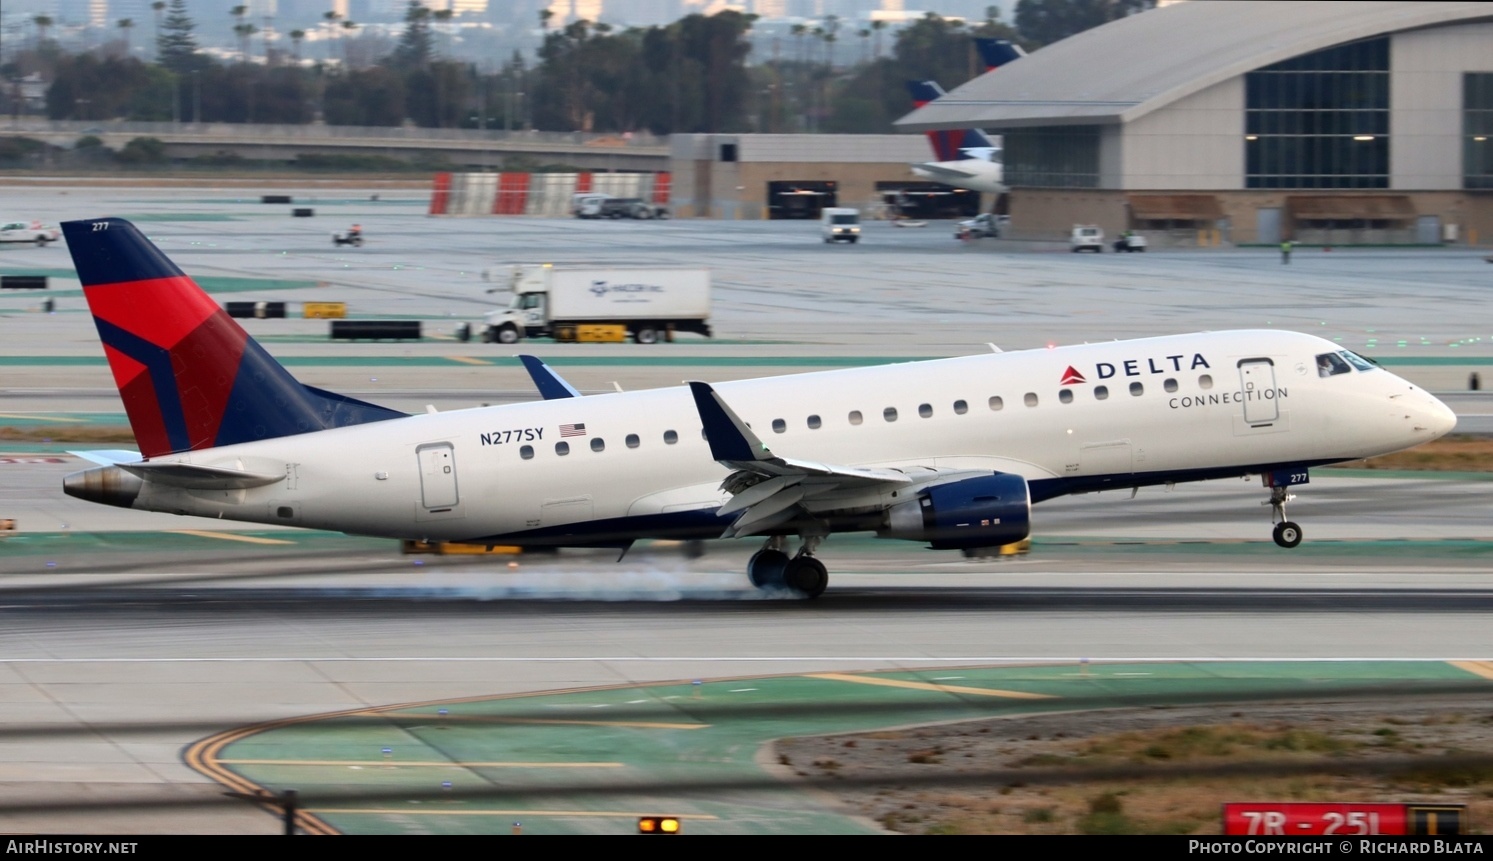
x: 1065, y: 396
x: 1205, y: 381
x: 814, y: 423
x: 1137, y: 389
x: 1101, y: 392
x: 670, y: 437
x: 562, y: 448
x: 633, y: 441
x: 778, y: 425
x: 1030, y: 399
x: 1477, y: 130
x: 890, y: 414
x: 855, y: 417
x: 925, y: 410
x: 728, y: 152
x: 1170, y: 385
x: 526, y: 452
x: 598, y: 444
x: 996, y: 403
x: 960, y: 408
x: 1320, y: 120
x: 1052, y: 156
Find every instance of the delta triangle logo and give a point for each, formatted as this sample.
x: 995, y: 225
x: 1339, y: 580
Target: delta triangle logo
x: 1072, y: 376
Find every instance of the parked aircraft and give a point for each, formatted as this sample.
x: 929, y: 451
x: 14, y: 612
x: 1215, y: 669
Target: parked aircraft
x: 951, y: 452
x: 965, y: 158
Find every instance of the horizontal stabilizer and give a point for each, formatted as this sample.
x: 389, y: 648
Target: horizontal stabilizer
x: 942, y: 170
x: 550, y: 384
x: 108, y: 457
x: 193, y: 477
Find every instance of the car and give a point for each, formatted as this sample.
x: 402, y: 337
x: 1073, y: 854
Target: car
x: 1086, y: 237
x: 35, y: 231
x: 628, y: 207
x: 984, y: 224
x: 587, y: 204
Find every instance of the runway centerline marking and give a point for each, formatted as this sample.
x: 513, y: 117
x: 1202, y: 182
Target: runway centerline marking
x: 229, y: 536
x: 929, y: 686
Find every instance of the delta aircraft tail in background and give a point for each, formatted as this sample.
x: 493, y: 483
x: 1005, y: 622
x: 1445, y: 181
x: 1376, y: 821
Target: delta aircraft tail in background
x: 950, y: 452
x: 965, y: 158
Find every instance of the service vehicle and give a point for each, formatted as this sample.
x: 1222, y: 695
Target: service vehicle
x: 839, y: 223
x: 984, y: 224
x: 630, y: 207
x: 574, y: 303
x: 32, y: 231
x: 1129, y: 242
x: 1086, y: 237
x: 588, y: 204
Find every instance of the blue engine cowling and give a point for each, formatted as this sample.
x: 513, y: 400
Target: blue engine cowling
x: 988, y: 511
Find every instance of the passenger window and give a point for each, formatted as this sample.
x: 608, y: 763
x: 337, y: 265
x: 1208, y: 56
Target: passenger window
x: 1065, y: 395
x: 890, y: 414
x: 1331, y: 364
x: 960, y: 408
x: 1030, y: 399
x: 1101, y: 392
x: 814, y: 423
x: 1137, y: 389
x: 526, y: 452
x: 925, y: 410
x: 855, y: 417
x: 996, y: 403
x: 1169, y: 385
x: 670, y: 437
x: 1205, y: 381
x: 633, y: 441
x: 778, y: 425
x: 598, y: 444
x: 562, y: 448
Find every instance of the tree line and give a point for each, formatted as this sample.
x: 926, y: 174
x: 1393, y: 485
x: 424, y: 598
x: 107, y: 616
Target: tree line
x: 697, y: 74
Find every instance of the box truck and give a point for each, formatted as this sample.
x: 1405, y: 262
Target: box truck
x: 573, y: 303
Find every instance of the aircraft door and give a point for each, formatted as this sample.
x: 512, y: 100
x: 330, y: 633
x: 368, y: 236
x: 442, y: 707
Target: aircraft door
x: 437, y: 476
x: 1257, y: 390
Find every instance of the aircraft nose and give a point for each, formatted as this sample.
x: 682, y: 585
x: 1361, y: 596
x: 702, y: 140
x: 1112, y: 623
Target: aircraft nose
x: 1436, y: 418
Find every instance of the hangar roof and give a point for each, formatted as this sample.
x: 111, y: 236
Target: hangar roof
x: 1133, y: 66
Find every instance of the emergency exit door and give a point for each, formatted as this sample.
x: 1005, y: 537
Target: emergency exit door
x: 1257, y: 390
x: 437, y: 476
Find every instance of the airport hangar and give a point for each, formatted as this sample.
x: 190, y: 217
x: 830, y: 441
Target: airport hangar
x: 1328, y: 122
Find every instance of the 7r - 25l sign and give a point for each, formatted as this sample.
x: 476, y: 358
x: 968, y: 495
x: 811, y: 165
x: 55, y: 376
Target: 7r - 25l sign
x: 1342, y: 820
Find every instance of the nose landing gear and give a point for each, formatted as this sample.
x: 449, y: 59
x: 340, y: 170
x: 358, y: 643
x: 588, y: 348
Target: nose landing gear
x: 1286, y: 533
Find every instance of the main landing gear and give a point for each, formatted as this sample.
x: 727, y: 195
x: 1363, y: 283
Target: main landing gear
x: 1286, y: 533
x: 772, y: 568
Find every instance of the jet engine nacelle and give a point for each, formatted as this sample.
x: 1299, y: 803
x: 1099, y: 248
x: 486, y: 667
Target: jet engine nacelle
x: 988, y: 511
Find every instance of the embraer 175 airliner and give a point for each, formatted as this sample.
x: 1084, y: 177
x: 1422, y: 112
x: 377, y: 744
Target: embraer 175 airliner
x: 951, y: 452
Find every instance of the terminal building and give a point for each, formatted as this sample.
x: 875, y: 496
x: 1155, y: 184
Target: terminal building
x: 1253, y: 122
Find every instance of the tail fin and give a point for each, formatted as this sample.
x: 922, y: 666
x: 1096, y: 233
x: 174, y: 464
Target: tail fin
x: 997, y: 52
x: 189, y: 375
x: 948, y: 144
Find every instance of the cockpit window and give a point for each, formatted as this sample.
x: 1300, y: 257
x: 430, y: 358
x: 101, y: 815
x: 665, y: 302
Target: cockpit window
x: 1357, y: 361
x: 1332, y: 364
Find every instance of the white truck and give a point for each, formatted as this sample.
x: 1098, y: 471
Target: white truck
x: 1086, y: 237
x: 573, y: 303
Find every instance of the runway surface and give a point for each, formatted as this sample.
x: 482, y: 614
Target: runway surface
x: 127, y: 636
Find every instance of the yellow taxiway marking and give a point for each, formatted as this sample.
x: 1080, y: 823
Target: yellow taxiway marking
x: 1477, y: 668
x: 468, y: 360
x: 636, y: 724
x: 926, y: 686
x: 229, y: 536
x: 39, y: 418
x: 428, y: 811
x: 380, y: 763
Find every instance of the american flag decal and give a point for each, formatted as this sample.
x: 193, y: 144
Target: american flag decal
x: 572, y: 430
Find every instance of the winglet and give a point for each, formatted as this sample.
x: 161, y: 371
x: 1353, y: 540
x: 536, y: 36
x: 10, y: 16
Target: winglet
x: 729, y: 437
x: 550, y: 384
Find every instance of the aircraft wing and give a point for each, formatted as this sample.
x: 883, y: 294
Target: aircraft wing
x: 943, y: 170
x: 768, y: 490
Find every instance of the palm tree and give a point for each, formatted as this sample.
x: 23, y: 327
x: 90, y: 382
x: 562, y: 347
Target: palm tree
x: 865, y: 41
x: 347, y: 27
x: 125, y: 25
x: 443, y: 17
x: 296, y: 36
x: 877, y: 26
x: 331, y: 18
x: 42, y: 22
x: 158, y: 7
x: 798, y: 31
x: 243, y: 37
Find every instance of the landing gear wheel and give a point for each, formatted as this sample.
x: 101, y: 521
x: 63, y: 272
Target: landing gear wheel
x: 806, y: 575
x: 766, y: 568
x: 1287, y: 534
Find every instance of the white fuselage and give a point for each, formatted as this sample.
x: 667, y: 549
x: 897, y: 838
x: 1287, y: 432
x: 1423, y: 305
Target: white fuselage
x: 976, y: 174
x: 1207, y: 404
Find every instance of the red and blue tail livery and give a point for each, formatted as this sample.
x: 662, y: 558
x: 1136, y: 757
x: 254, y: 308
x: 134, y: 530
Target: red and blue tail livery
x: 189, y: 375
x: 948, y: 144
x: 995, y: 53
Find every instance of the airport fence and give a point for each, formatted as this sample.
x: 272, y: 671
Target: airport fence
x: 538, y: 194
